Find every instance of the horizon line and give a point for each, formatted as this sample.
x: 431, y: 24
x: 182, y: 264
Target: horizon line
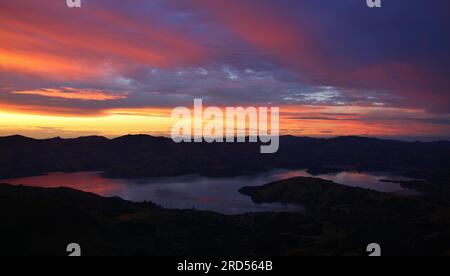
x: 318, y: 137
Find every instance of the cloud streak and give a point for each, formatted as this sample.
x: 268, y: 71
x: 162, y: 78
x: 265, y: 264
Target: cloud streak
x: 72, y: 94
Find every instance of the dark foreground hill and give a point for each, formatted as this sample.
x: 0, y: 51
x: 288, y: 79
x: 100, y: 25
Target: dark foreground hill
x: 38, y: 221
x: 401, y: 225
x: 146, y: 156
x: 338, y: 221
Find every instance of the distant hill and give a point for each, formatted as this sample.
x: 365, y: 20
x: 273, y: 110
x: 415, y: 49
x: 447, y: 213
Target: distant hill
x: 135, y: 156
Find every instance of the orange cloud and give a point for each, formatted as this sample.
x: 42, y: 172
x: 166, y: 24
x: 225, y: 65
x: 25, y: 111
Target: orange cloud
x: 73, y: 94
x: 40, y: 109
x: 48, y: 40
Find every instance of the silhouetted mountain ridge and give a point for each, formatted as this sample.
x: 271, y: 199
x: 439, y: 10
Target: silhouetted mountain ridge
x: 136, y: 156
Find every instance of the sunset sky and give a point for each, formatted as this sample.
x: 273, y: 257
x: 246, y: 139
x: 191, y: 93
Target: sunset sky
x: 116, y: 67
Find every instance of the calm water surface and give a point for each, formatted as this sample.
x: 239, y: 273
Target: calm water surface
x: 202, y: 193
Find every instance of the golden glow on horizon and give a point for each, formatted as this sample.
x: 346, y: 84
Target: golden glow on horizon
x: 112, y: 125
x: 295, y: 120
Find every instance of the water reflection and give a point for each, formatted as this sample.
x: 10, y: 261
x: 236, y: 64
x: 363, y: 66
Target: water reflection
x: 203, y: 193
x: 91, y: 182
x: 369, y: 181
